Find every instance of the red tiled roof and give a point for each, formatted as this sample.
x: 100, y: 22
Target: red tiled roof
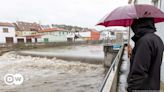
x: 6, y: 24
x: 50, y: 30
x: 26, y: 26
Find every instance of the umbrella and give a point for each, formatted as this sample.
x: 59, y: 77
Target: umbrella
x: 123, y: 16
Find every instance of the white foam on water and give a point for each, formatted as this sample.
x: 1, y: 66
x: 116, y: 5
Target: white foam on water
x: 50, y: 75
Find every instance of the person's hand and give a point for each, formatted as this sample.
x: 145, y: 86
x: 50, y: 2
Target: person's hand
x: 129, y: 50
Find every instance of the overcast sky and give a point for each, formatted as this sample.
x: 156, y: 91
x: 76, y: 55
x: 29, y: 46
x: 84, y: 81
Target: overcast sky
x: 85, y: 13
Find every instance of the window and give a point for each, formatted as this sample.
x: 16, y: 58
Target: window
x: 32, y: 29
x: 112, y: 33
x: 5, y: 30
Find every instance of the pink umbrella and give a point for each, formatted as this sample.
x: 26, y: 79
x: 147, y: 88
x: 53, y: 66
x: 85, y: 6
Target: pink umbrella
x: 123, y: 16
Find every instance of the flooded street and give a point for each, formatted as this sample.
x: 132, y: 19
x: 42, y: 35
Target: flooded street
x: 50, y: 75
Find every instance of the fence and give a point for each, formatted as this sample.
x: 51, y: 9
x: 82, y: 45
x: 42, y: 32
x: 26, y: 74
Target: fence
x: 110, y: 81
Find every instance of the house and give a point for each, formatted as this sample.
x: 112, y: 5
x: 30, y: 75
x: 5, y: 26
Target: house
x: 28, y: 30
x: 95, y: 35
x: 32, y: 38
x: 85, y: 35
x: 53, y: 35
x: 114, y: 36
x: 7, y: 33
x: 20, y: 39
x: 89, y: 34
x: 107, y: 34
x: 72, y: 36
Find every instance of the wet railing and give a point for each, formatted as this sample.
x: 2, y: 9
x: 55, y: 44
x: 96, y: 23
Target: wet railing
x: 110, y: 81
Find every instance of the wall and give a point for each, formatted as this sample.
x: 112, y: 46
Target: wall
x: 52, y: 38
x: 21, y: 38
x: 95, y: 35
x: 11, y: 33
x: 159, y: 26
x: 107, y: 35
x: 144, y: 2
x: 85, y: 34
x: 55, y: 36
x: 56, y: 33
x: 26, y: 33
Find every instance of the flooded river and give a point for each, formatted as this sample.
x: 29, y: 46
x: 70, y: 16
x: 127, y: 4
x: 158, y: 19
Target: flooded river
x: 55, y: 75
x: 84, y: 53
x: 50, y: 75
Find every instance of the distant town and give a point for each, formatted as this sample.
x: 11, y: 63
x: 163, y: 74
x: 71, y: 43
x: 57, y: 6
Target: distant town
x: 25, y: 32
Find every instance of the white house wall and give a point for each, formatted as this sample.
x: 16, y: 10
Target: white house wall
x: 107, y: 35
x: 11, y: 33
x: 159, y: 26
x: 144, y: 2
x: 85, y: 34
x: 52, y: 38
x: 26, y: 33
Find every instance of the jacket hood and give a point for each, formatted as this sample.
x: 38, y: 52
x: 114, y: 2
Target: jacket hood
x: 141, y: 27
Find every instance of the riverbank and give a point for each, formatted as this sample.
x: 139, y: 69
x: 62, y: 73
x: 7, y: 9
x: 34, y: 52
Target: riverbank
x: 3, y: 50
x: 30, y: 46
x: 22, y: 46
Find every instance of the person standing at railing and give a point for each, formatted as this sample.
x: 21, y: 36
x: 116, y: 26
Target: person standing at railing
x: 146, y: 56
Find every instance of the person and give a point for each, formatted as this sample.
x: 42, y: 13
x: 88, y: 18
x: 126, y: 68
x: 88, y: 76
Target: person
x: 146, y: 57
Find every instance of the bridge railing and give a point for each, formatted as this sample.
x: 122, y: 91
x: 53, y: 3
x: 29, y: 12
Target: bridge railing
x: 110, y: 81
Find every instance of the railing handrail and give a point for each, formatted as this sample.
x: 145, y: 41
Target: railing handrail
x: 112, y: 67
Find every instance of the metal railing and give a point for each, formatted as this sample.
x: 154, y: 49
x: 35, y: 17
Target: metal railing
x: 110, y: 80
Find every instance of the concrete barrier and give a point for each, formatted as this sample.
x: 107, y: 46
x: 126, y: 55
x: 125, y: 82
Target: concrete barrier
x: 109, y: 55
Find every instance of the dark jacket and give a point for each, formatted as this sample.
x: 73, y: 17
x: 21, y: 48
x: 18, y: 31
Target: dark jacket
x: 146, y: 59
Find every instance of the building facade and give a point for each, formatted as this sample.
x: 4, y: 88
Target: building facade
x: 27, y: 30
x: 7, y: 33
x: 53, y: 35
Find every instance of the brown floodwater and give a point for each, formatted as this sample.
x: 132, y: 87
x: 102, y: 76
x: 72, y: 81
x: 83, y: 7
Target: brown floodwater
x: 50, y: 75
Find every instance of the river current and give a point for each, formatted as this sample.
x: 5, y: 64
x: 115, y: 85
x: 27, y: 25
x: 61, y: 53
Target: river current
x: 50, y: 75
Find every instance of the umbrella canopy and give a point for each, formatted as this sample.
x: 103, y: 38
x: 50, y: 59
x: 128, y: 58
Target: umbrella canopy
x: 123, y: 16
